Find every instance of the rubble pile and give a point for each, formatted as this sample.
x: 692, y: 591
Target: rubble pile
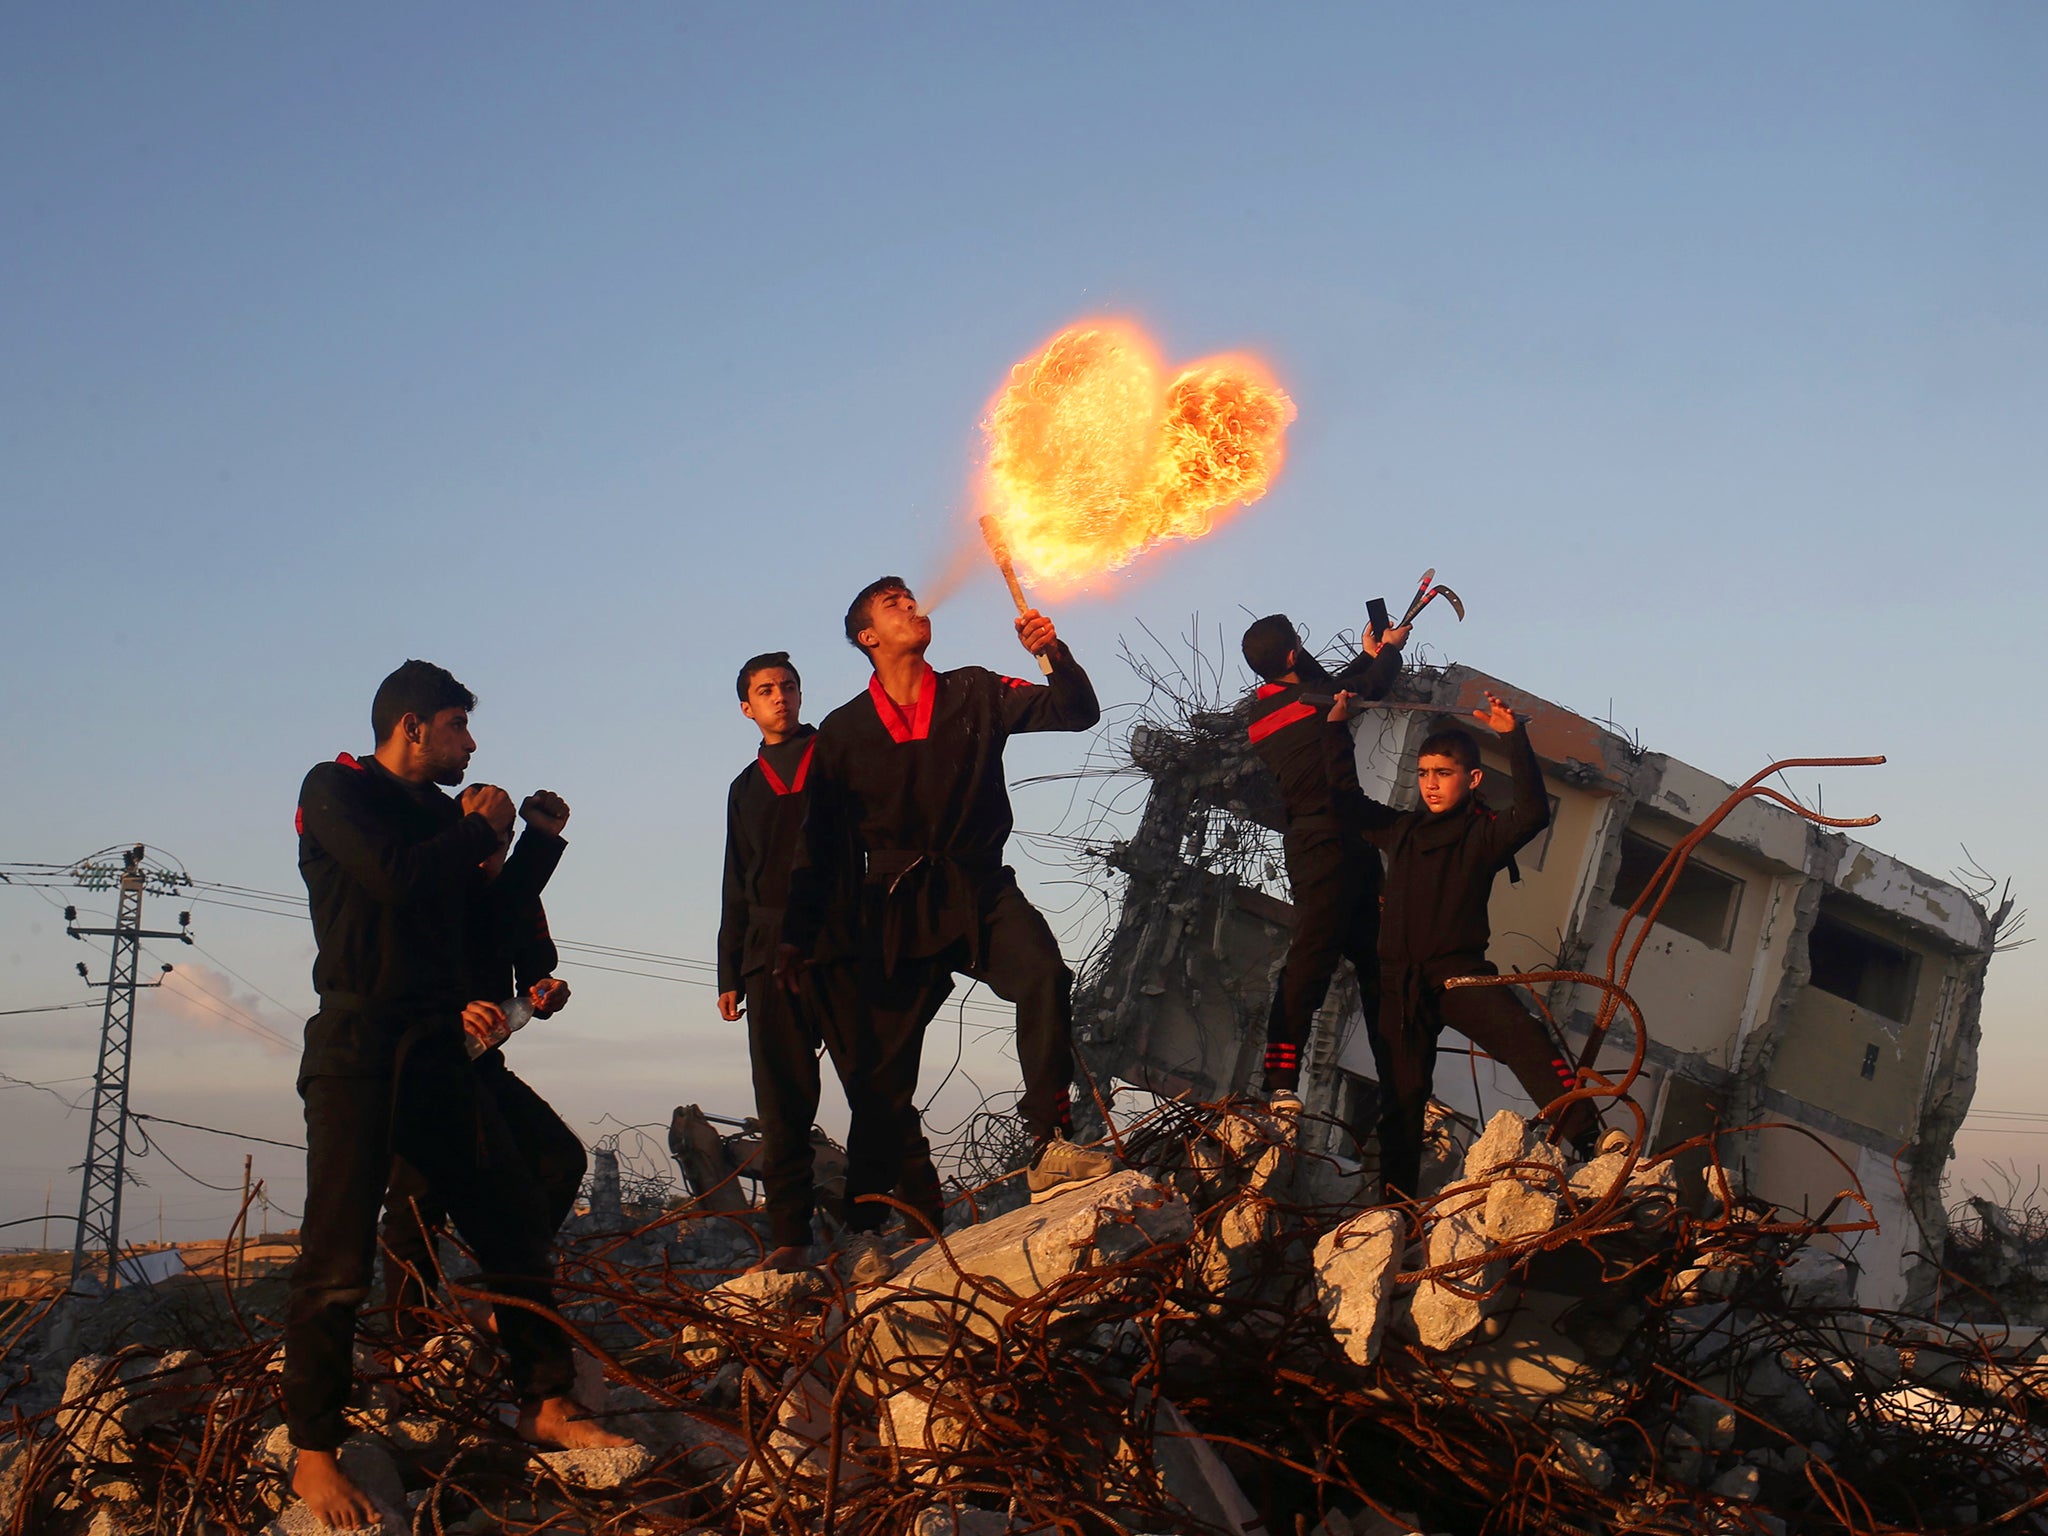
x: 1222, y: 1336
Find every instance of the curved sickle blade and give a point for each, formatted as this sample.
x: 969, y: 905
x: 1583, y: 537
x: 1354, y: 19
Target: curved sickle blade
x: 1421, y: 598
x: 1457, y: 603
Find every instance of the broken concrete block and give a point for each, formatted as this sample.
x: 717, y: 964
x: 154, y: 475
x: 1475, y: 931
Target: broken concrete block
x: 420, y: 1439
x: 598, y: 1467
x: 1029, y: 1249
x: 13, y: 1467
x: 1515, y: 1209
x: 1231, y: 1261
x: 1593, y: 1463
x: 1501, y: 1143
x: 370, y: 1467
x: 1442, y: 1316
x: 1684, y: 1461
x: 1355, y: 1268
x: 98, y: 1416
x: 1813, y: 1277
x: 1594, y: 1180
x: 1710, y: 1421
x: 1738, y: 1483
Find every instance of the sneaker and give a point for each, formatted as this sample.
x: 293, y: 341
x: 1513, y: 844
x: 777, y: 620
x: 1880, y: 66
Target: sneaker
x: 864, y: 1260
x: 1061, y: 1166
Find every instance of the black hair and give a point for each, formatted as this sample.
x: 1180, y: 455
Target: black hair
x: 418, y: 688
x: 857, y: 611
x: 1454, y: 742
x: 762, y: 663
x: 1270, y: 645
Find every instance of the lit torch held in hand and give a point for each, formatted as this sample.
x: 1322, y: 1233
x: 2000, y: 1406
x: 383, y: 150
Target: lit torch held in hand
x: 993, y: 536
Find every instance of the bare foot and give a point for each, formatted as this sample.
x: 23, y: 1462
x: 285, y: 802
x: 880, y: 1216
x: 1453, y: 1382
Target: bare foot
x: 566, y: 1425
x: 783, y: 1260
x: 333, y: 1499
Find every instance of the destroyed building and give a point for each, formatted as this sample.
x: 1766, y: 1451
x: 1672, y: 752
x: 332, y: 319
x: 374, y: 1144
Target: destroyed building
x: 1794, y: 974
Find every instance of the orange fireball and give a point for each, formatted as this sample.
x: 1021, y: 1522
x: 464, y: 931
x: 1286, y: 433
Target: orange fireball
x: 1094, y: 455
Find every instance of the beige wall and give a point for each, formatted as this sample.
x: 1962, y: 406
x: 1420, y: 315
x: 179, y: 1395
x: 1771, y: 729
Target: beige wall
x: 1692, y: 994
x: 1820, y: 1054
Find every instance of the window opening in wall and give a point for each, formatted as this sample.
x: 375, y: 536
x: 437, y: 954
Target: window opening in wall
x: 1702, y: 905
x: 1870, y: 1061
x: 1859, y: 967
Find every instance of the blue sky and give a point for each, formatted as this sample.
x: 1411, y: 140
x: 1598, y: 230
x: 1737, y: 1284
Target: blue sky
x: 1703, y: 349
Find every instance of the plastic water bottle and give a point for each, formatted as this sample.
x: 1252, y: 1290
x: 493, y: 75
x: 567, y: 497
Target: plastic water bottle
x: 518, y: 1012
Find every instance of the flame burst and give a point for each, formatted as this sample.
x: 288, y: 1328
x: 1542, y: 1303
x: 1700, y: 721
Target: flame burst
x: 1093, y: 456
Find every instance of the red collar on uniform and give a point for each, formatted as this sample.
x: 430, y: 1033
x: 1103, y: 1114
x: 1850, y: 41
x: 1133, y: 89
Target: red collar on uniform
x: 1267, y: 690
x: 917, y: 724
x: 796, y: 780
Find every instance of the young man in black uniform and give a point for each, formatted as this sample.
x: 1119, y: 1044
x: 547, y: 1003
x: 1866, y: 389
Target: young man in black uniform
x: 1332, y: 877
x: 390, y: 865
x: 764, y: 813
x: 1441, y: 860
x: 511, y: 956
x: 909, y: 815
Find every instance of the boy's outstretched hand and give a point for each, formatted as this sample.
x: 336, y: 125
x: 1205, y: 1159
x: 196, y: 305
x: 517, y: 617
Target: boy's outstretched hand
x: 1343, y: 707
x: 1500, y: 717
x: 1035, y: 632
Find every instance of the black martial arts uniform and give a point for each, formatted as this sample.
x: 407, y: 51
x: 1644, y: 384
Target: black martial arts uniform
x: 507, y: 948
x: 764, y: 813
x: 389, y: 869
x: 1332, y: 877
x: 1434, y: 926
x: 909, y: 814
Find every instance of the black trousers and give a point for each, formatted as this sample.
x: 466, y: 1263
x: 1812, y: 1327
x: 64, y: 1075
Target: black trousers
x: 873, y: 1024
x: 1336, y: 893
x: 1494, y: 1020
x: 429, y: 1111
x: 414, y: 1215
x: 1019, y: 960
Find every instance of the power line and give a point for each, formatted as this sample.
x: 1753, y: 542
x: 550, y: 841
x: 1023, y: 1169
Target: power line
x: 289, y: 1146
x: 47, y: 1008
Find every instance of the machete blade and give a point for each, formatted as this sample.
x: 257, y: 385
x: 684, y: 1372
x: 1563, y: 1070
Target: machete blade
x: 1421, y: 597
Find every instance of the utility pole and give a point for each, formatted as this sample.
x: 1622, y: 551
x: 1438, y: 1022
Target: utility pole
x: 106, y: 1148
x: 242, y: 1256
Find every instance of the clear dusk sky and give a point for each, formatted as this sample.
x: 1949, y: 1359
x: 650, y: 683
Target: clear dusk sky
x: 588, y: 350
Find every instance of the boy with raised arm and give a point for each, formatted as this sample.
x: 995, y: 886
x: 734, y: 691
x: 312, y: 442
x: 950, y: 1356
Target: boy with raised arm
x: 1441, y: 860
x: 1333, y: 879
x: 390, y: 864
x: 510, y: 956
x: 909, y: 814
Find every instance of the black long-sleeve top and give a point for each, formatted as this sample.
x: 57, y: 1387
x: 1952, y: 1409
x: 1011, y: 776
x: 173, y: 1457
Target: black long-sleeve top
x: 389, y: 869
x: 1292, y: 735
x: 1440, y: 868
x: 507, y: 943
x: 910, y: 807
x: 764, y: 817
